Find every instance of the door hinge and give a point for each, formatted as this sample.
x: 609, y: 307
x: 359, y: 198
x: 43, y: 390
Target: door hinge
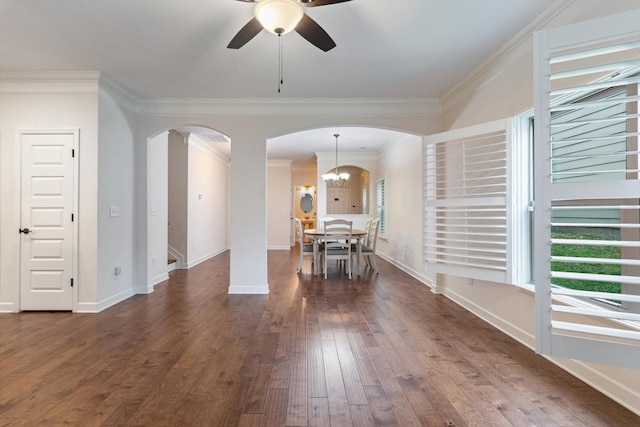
x: 72, y: 282
x: 71, y: 217
x: 73, y: 152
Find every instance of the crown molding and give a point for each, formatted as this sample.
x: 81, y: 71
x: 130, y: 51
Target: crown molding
x: 119, y: 93
x: 290, y: 107
x: 89, y: 81
x: 49, y: 81
x: 197, y: 143
x: 482, y: 73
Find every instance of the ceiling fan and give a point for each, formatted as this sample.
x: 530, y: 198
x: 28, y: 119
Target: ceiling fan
x: 282, y: 16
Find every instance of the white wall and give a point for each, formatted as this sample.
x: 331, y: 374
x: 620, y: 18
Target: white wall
x: 157, y: 211
x: 303, y: 175
x: 177, y: 197
x: 401, y: 166
x: 36, y: 104
x: 115, y: 189
x: 207, y: 202
x: 279, y: 204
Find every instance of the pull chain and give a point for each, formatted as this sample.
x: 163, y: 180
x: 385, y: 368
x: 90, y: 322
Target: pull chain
x: 280, y: 60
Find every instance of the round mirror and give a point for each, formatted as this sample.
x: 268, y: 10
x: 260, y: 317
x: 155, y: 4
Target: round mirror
x: 306, y: 203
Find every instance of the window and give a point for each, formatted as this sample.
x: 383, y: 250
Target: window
x: 475, y: 216
x: 365, y: 195
x: 380, y: 200
x: 587, y: 191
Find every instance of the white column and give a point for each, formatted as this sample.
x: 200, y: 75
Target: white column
x: 248, y: 273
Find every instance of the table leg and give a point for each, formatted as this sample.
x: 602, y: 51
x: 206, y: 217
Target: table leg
x: 315, y: 256
x: 359, y: 251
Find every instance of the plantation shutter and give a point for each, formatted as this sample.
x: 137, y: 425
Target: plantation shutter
x: 587, y: 191
x: 380, y: 208
x: 467, y: 203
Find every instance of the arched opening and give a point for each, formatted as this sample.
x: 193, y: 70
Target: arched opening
x: 312, y: 152
x: 187, y: 198
x: 351, y: 196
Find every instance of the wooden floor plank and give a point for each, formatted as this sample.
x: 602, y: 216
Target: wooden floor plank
x: 403, y: 411
x: 361, y: 416
x: 297, y: 402
x: 257, y: 393
x: 337, y: 396
x: 381, y: 409
x: 349, y: 369
x: 379, y: 349
x: 319, y: 412
x: 317, y: 386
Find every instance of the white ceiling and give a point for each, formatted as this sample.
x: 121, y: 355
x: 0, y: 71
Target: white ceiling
x: 177, y: 49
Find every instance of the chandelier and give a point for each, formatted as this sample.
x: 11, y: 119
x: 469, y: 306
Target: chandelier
x: 336, y: 179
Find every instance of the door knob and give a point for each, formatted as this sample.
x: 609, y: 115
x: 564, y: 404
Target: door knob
x: 24, y: 230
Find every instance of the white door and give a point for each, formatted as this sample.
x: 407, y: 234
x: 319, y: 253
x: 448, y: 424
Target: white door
x: 46, y: 229
x: 338, y: 200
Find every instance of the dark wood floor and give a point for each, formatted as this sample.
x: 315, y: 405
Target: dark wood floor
x: 379, y: 350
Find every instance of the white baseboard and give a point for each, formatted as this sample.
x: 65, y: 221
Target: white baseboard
x: 279, y: 248
x: 8, y: 307
x: 113, y: 300
x: 249, y: 290
x: 413, y: 273
x: 203, y: 259
x: 152, y: 283
x: 523, y: 337
x: 87, y: 307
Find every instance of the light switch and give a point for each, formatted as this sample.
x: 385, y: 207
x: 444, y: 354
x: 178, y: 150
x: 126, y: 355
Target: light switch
x: 114, y: 210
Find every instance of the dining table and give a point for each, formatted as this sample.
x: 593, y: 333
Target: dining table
x: 317, y: 234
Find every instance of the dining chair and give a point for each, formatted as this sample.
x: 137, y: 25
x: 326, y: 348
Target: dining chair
x: 305, y: 249
x: 364, y: 240
x: 337, y: 243
x: 368, y: 250
x: 367, y: 226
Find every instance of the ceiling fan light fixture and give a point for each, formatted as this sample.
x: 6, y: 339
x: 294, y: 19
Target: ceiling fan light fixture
x: 278, y: 16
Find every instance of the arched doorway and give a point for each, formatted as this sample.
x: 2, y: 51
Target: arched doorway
x: 187, y: 199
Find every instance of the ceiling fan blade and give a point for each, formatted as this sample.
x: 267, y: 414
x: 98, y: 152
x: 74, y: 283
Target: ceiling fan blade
x: 310, y: 30
x: 314, y: 3
x: 246, y: 33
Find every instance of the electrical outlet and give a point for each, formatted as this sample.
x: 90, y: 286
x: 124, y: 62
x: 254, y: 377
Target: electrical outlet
x: 117, y: 271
